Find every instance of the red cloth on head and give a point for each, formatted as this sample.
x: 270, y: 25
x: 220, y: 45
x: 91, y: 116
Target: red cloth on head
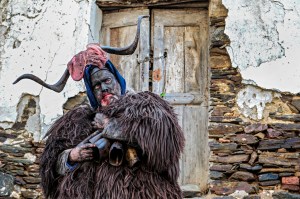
x: 93, y: 55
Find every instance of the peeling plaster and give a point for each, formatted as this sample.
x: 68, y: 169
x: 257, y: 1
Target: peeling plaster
x: 252, y: 101
x: 264, y: 42
x: 40, y: 37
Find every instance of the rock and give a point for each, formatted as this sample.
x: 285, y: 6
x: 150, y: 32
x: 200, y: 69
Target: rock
x: 220, y: 110
x: 220, y: 62
x: 6, y: 184
x: 220, y: 167
x: 215, y: 175
x: 29, y: 194
x: 224, y: 128
x: 270, y: 144
x: 276, y: 159
x: 290, y: 187
x: 19, y: 160
x: 224, y: 197
x: 226, y: 188
x: 253, y: 158
x: 230, y: 159
x: 19, y: 180
x: 293, y: 180
x: 13, y: 149
x: 225, y: 119
x: 285, y: 174
x: 222, y: 140
x: 291, y: 143
x: 270, y: 183
x: 282, y: 150
x: 243, y: 175
x: 285, y: 195
x: 268, y: 176
x: 260, y: 135
x: 245, y: 139
x: 272, y: 133
x: 215, y: 146
x: 277, y: 170
x: 190, y: 190
x: 32, y: 180
x: 239, y: 194
x: 217, y: 9
x: 252, y: 197
x: 250, y: 168
x: 255, y: 128
x: 287, y: 126
x: 33, y: 168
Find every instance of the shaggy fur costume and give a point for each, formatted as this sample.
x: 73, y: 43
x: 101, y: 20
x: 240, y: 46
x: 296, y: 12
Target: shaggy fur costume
x: 147, y: 121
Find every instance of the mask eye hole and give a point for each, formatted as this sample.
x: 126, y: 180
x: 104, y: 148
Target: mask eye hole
x: 98, y: 86
x: 108, y: 81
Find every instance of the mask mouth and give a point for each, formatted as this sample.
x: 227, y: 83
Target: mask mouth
x: 106, y: 99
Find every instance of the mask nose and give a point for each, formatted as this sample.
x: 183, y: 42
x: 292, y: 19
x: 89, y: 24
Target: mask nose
x: 105, y: 90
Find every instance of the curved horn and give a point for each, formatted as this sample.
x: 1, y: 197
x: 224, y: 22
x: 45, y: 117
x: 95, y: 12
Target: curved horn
x: 57, y: 87
x: 129, y: 49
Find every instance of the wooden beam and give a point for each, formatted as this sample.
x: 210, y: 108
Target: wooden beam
x: 119, y: 4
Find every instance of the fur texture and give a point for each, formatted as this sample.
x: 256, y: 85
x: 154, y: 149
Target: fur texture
x: 146, y: 120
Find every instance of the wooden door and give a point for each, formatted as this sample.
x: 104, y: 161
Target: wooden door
x: 179, y: 40
x: 180, y: 46
x: 118, y: 30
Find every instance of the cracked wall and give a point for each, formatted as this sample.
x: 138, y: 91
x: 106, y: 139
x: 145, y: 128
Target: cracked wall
x: 254, y: 125
x: 264, y: 42
x: 40, y: 37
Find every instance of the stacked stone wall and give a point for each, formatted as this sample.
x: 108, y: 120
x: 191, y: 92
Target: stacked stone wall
x: 248, y: 154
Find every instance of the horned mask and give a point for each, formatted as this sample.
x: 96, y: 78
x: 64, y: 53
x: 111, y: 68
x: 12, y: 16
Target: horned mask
x: 95, y: 54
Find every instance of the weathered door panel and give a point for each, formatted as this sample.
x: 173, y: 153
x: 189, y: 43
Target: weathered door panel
x: 118, y: 29
x: 179, y: 42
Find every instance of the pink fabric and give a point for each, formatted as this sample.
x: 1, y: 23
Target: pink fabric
x: 92, y: 55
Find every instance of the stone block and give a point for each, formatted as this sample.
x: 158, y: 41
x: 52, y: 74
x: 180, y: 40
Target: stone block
x: 257, y: 127
x: 216, y: 146
x: 243, y: 176
x: 269, y: 183
x: 6, y: 184
x: 221, y: 167
x: 293, y: 180
x: 226, y: 188
x: 220, y: 62
x: 268, y: 176
x: 215, y: 175
x: 230, y: 159
x: 217, y: 9
x: 290, y: 187
x: 245, y: 139
x: 285, y: 195
x: 224, y: 128
x: 248, y: 167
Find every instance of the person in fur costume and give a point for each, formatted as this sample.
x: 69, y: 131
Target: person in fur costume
x: 140, y: 122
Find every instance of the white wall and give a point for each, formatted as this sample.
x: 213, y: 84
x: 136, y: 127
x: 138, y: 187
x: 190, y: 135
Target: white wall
x: 40, y: 38
x: 265, y: 42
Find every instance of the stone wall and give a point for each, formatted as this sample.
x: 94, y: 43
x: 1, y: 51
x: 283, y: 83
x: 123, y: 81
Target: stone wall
x: 19, y: 155
x: 254, y: 133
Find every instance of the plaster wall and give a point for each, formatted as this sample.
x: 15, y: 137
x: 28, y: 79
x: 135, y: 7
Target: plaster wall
x: 264, y: 42
x: 40, y: 37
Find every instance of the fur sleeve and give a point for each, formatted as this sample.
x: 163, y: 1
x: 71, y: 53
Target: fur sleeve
x: 64, y: 134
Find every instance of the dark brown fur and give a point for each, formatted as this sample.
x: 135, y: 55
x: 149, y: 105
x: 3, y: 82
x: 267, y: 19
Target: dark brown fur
x: 147, y: 121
